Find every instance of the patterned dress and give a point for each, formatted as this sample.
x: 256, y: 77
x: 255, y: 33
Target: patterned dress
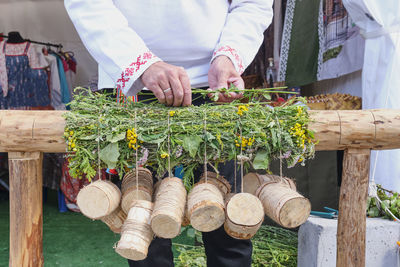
x: 26, y: 85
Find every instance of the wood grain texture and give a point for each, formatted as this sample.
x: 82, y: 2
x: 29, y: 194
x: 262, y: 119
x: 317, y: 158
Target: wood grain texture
x: 26, y: 210
x: 336, y: 130
x: 353, y: 198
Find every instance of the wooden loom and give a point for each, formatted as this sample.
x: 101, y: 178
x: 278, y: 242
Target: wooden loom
x: 25, y: 135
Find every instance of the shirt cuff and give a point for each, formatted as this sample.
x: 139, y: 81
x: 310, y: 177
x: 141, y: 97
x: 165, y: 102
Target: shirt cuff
x: 232, y: 54
x: 129, y: 82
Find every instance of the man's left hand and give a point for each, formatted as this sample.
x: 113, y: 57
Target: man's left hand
x: 222, y: 73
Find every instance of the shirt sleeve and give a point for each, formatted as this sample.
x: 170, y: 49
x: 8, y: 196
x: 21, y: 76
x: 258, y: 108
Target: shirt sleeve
x: 242, y: 34
x: 115, y: 46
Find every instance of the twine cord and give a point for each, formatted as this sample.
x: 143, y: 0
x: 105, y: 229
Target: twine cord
x: 136, y: 160
x: 241, y: 162
x: 98, y: 151
x: 169, y: 147
x: 205, y: 147
x: 280, y: 150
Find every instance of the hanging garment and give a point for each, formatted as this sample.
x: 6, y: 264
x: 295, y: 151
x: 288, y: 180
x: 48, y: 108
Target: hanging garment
x: 26, y: 86
x: 55, y: 87
x: 380, y: 25
x: 65, y: 96
x: 320, y: 41
x: 70, y: 71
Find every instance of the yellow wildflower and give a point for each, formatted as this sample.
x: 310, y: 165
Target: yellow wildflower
x: 241, y: 109
x: 164, y: 155
x: 172, y: 113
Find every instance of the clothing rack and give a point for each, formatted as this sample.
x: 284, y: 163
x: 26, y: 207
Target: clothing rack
x: 36, y: 42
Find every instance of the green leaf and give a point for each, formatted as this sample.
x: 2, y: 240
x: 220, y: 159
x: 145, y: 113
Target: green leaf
x: 267, y: 96
x: 109, y: 155
x: 373, y: 212
x: 261, y: 161
x: 191, y: 144
x: 89, y: 137
x: 153, y: 138
x: 113, y: 138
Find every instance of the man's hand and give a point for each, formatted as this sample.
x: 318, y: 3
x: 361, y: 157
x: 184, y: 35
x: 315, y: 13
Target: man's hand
x: 169, y: 83
x: 221, y: 74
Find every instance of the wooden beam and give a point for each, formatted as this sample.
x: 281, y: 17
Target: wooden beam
x: 352, y: 209
x: 26, y: 209
x: 335, y: 130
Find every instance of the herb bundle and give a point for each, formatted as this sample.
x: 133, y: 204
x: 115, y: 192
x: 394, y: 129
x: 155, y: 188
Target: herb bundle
x: 101, y: 131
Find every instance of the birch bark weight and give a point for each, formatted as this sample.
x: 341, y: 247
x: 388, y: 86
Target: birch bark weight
x: 115, y: 220
x: 98, y: 199
x: 136, y: 234
x: 252, y: 181
x: 206, y: 207
x: 169, y: 208
x: 244, y: 216
x: 142, y: 189
x: 283, y: 204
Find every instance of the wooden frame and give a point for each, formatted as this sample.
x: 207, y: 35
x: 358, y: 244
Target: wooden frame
x: 25, y: 135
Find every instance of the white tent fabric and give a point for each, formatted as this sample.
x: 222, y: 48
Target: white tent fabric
x: 47, y: 21
x: 380, y: 24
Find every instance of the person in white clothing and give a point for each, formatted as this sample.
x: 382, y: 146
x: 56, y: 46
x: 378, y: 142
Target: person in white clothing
x: 169, y: 47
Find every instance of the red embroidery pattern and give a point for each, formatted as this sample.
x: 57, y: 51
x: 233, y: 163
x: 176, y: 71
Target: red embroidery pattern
x: 233, y: 53
x: 127, y: 74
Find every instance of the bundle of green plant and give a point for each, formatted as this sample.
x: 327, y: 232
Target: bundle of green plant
x: 272, y: 246
x: 390, y: 200
x: 102, y: 133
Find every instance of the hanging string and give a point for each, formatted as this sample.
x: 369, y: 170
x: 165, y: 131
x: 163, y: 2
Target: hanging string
x: 169, y: 147
x: 98, y: 151
x: 136, y: 159
x: 205, y: 146
x: 235, y: 171
x: 241, y: 161
x: 280, y: 150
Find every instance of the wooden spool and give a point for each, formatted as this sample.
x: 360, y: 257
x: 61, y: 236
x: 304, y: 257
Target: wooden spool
x: 283, y: 204
x: 115, y: 220
x: 98, y: 199
x: 136, y: 234
x: 217, y: 180
x: 129, y: 190
x: 169, y: 208
x: 252, y: 181
x: 206, y: 207
x: 155, y: 189
x: 244, y: 216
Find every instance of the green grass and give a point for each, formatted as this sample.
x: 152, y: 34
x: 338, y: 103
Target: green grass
x: 71, y: 240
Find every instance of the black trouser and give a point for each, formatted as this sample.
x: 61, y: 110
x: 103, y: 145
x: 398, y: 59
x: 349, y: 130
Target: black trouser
x: 221, y: 249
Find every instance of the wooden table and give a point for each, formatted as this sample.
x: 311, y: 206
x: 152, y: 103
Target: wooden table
x: 25, y: 135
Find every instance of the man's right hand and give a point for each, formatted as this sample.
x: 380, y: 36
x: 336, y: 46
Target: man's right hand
x: 169, y: 83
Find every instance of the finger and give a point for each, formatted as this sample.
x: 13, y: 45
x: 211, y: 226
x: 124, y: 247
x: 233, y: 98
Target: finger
x: 158, y: 93
x: 167, y: 91
x: 237, y: 81
x: 239, y: 84
x: 177, y: 89
x: 187, y: 89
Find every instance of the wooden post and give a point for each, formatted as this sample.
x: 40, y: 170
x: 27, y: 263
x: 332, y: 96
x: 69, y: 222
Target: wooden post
x: 352, y: 209
x: 26, y: 209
